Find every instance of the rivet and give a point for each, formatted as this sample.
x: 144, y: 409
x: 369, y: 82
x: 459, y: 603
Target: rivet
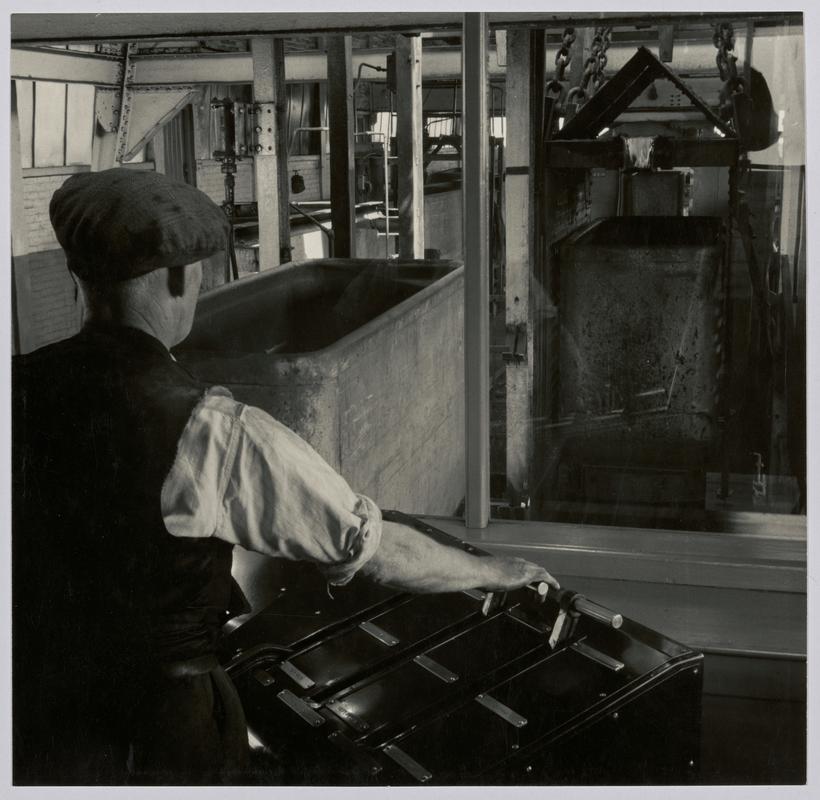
x: 615, y: 715
x: 528, y: 769
x: 691, y: 762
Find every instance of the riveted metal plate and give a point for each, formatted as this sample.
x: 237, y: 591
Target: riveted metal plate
x: 265, y: 129
x: 598, y: 656
x: 435, y: 668
x: 298, y: 705
x: 501, y: 710
x: 377, y: 633
x: 296, y: 675
x: 407, y: 763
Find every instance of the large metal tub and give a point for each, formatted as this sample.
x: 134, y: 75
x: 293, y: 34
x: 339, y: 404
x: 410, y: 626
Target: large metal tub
x: 363, y: 358
x: 639, y: 308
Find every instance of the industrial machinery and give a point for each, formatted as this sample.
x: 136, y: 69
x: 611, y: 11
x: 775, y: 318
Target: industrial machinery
x: 362, y: 685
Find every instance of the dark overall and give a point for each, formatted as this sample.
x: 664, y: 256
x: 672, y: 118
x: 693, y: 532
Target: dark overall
x: 115, y: 621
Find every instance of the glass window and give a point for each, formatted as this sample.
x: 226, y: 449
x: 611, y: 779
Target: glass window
x: 657, y: 377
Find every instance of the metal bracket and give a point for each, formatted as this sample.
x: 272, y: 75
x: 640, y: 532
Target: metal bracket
x: 377, y: 633
x: 107, y: 108
x: 439, y: 670
x: 597, y: 656
x: 295, y: 674
x: 263, y: 676
x: 516, y: 352
x: 265, y: 129
x: 298, y: 705
x: 407, y: 763
x: 501, y: 710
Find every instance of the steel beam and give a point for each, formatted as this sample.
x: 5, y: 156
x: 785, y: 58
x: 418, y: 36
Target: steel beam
x: 409, y: 132
x: 342, y: 164
x: 440, y: 63
x: 64, y: 66
x: 668, y: 153
x: 477, y: 271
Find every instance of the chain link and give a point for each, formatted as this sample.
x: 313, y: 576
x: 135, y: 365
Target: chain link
x: 563, y: 58
x: 593, y: 76
x: 724, y: 41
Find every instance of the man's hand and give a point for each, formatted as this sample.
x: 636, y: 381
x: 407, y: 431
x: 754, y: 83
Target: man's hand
x: 506, y: 573
x: 409, y: 559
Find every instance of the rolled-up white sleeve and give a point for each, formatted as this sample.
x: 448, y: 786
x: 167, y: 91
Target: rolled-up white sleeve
x: 243, y: 477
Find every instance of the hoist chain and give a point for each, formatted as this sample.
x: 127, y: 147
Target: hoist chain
x: 594, y: 66
x: 563, y: 58
x: 724, y: 40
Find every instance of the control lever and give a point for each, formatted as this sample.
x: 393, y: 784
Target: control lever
x: 571, y: 606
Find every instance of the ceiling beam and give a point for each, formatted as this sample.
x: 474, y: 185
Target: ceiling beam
x: 62, y: 28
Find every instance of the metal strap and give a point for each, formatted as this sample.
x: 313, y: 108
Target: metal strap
x: 297, y: 675
x: 407, y: 763
x: 437, y: 669
x: 377, y: 633
x: 298, y: 705
x: 475, y: 594
x: 501, y: 710
x: 598, y: 656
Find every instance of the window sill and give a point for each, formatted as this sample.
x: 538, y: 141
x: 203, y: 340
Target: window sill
x: 740, y: 593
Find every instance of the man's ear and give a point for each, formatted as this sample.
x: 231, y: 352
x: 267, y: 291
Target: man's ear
x: 176, y: 281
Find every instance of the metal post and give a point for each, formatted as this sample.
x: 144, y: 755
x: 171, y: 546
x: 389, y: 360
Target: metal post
x: 266, y: 162
x: 281, y: 95
x: 477, y: 271
x: 342, y: 163
x: 409, y: 137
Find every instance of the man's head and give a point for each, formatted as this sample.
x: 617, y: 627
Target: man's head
x: 135, y: 240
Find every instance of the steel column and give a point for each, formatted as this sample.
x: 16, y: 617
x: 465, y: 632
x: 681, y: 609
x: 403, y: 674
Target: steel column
x: 519, y: 260
x: 342, y: 164
x: 281, y: 95
x: 477, y: 271
x: 266, y: 167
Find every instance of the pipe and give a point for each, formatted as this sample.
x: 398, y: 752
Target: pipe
x: 327, y: 231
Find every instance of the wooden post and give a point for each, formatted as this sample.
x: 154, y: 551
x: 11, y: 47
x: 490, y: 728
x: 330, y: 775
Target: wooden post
x: 21, y: 296
x: 409, y: 135
x: 342, y: 164
x: 282, y: 143
x: 477, y: 271
x: 266, y: 167
x: 519, y: 260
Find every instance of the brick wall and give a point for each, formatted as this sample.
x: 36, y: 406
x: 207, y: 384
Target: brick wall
x: 209, y: 178
x: 55, y: 308
x: 309, y: 167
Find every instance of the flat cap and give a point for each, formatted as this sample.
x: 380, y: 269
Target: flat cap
x: 121, y: 223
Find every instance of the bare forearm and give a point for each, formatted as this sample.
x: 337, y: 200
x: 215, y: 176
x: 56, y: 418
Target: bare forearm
x: 408, y: 559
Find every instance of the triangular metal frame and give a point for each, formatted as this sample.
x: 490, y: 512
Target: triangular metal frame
x: 622, y: 89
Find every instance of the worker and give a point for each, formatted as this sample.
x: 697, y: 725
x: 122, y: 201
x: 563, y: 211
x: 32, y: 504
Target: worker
x: 132, y: 484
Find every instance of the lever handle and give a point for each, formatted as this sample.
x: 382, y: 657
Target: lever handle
x: 601, y: 613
